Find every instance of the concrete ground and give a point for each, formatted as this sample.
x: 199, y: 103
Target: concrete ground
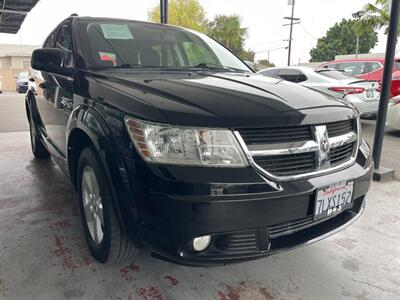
x: 43, y: 254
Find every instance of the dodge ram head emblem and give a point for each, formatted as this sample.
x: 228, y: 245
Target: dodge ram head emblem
x: 322, y: 139
x: 324, y: 145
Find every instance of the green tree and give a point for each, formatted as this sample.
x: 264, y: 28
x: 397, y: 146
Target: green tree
x: 185, y: 13
x: 376, y: 16
x: 341, y: 39
x: 265, y: 63
x: 247, y: 55
x: 228, y: 31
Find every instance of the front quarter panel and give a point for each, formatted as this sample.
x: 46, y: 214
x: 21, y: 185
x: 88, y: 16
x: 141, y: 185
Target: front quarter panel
x: 88, y: 120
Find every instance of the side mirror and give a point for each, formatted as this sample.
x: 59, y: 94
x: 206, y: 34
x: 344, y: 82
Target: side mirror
x: 49, y: 60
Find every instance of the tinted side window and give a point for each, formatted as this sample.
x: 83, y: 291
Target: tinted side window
x: 397, y: 65
x: 289, y: 74
x: 64, y: 42
x: 269, y: 73
x: 354, y: 68
x: 373, y: 66
x: 49, y: 43
x: 331, y: 66
x: 302, y: 77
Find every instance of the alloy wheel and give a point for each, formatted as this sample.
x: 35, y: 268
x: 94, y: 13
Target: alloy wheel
x: 92, y: 205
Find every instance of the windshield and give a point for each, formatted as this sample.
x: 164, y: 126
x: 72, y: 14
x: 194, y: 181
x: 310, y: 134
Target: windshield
x: 129, y: 44
x: 334, y: 74
x: 23, y: 76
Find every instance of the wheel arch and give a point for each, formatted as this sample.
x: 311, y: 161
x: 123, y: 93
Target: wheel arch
x: 86, y: 127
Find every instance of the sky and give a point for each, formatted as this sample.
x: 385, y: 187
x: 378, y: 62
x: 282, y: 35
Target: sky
x: 263, y: 18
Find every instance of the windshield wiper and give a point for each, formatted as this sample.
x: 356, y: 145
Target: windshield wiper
x: 127, y: 66
x: 212, y: 66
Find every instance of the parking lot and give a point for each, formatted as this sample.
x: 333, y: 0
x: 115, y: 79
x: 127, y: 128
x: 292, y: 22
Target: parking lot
x: 43, y: 254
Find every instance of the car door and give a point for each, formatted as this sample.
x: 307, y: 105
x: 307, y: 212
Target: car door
x: 56, y: 95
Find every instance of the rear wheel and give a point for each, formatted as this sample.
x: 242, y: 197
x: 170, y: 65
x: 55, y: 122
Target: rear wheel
x: 105, y: 237
x: 38, y: 149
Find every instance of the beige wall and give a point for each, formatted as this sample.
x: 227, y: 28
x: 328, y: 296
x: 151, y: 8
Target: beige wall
x: 5, y: 62
x: 20, y: 62
x: 8, y: 78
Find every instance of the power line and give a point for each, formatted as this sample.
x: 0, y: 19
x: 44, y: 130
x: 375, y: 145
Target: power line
x: 273, y: 49
x: 308, y: 33
x: 265, y: 43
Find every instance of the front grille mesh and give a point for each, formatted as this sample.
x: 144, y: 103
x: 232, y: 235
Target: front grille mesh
x: 238, y: 242
x: 341, y: 154
x: 290, y: 164
x: 289, y: 227
x: 340, y: 128
x: 275, y: 135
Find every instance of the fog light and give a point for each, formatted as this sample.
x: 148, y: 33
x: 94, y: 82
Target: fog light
x: 201, y: 243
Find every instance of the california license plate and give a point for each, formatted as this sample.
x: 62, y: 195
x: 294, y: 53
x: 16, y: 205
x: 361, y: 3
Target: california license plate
x: 333, y: 199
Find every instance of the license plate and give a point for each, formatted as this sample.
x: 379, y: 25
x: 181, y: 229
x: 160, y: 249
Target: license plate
x: 333, y: 199
x: 370, y: 93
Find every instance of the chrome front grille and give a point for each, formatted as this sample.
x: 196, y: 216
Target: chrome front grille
x: 294, y: 152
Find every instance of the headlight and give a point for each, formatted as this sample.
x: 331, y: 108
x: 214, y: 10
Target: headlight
x: 185, y: 146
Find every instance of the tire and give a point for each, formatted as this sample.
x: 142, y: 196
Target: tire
x: 38, y: 149
x: 111, y: 244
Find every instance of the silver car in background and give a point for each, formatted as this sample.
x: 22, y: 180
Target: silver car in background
x: 363, y: 94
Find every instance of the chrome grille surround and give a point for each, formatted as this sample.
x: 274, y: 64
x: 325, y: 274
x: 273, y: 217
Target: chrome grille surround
x: 322, y: 145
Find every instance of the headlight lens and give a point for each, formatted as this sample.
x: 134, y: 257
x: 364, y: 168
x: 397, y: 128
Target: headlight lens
x: 185, y: 146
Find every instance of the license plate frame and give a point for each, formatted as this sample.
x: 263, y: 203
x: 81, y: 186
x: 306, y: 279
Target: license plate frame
x: 333, y: 199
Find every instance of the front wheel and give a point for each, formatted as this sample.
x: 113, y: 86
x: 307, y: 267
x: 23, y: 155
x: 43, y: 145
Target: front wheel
x: 105, y: 237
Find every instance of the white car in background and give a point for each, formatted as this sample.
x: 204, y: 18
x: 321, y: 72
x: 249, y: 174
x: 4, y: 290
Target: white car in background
x: 393, y: 113
x: 363, y: 94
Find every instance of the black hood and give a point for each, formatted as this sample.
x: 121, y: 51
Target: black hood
x: 221, y: 99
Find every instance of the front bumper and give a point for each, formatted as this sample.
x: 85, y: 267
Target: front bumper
x: 22, y: 88
x: 247, y: 215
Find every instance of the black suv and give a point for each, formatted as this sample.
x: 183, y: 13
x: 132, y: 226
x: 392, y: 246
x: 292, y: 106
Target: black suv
x: 176, y: 146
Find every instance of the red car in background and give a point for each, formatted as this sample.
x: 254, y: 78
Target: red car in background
x: 368, y: 69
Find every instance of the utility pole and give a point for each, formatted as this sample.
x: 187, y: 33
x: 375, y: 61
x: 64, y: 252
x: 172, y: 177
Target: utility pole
x: 380, y: 173
x: 292, y: 3
x: 164, y: 11
x: 358, y: 15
